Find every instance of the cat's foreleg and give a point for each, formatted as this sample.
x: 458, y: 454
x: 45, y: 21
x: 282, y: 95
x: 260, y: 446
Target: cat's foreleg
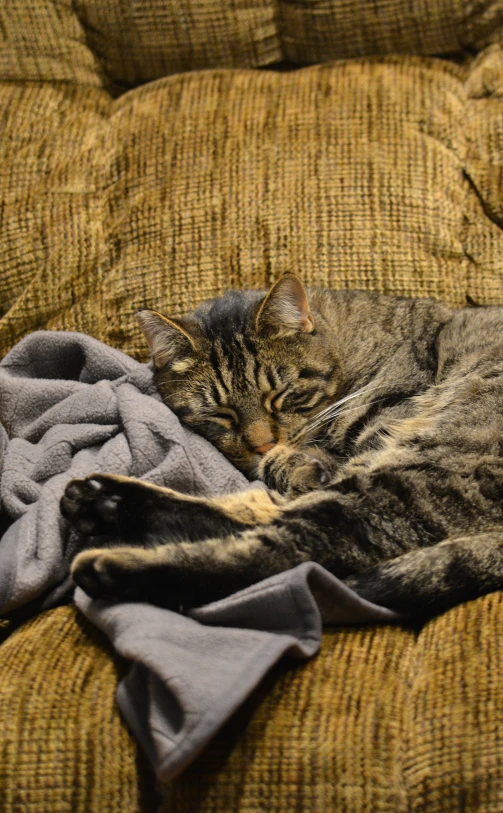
x: 314, y: 527
x: 123, y: 509
x: 429, y: 581
x: 418, y: 584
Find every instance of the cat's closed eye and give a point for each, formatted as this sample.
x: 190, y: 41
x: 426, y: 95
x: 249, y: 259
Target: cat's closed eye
x: 273, y: 401
x: 305, y: 401
x: 227, y: 418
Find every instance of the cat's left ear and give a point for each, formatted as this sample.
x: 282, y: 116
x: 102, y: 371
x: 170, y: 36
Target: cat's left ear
x: 285, y: 310
x: 171, y: 341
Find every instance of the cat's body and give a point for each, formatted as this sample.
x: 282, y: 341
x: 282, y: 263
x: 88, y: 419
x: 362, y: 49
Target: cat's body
x: 398, y: 489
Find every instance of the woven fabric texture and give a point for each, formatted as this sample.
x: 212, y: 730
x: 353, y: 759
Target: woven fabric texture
x: 168, y: 36
x: 64, y: 747
x: 44, y: 40
x: 129, y: 42
x: 382, y: 174
x: 321, y: 30
x: 381, y: 722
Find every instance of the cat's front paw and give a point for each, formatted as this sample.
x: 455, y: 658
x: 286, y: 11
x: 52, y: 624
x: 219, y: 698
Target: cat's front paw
x: 295, y: 471
x: 310, y: 474
x: 92, y: 505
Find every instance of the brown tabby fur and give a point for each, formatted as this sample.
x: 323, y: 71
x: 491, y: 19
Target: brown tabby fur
x: 398, y: 490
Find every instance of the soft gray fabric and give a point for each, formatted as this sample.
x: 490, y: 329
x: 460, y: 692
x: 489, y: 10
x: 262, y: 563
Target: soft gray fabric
x: 188, y: 677
x: 71, y: 406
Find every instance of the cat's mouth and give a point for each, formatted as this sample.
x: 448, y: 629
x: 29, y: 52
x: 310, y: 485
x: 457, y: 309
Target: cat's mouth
x: 250, y: 463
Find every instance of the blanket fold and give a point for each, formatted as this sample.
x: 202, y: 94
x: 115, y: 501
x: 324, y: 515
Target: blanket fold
x: 70, y: 406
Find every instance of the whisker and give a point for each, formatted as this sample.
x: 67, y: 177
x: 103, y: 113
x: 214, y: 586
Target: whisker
x: 334, y: 409
x: 329, y: 412
x: 346, y: 412
x: 342, y: 412
x: 348, y: 397
x: 312, y: 428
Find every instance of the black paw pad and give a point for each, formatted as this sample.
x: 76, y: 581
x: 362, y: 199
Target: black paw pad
x: 92, y: 505
x: 103, y: 578
x: 91, y: 574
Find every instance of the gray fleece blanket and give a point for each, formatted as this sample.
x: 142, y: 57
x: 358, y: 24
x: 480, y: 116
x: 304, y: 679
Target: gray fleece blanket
x: 70, y: 406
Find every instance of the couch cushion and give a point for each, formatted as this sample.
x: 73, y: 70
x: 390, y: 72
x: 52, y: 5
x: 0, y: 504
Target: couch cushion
x: 453, y: 757
x: 128, y: 42
x: 147, y: 39
x: 64, y: 746
x: 379, y: 722
x: 327, y: 737
x: 321, y: 30
x: 44, y: 40
x: 383, y: 720
x: 375, y: 173
x: 50, y: 204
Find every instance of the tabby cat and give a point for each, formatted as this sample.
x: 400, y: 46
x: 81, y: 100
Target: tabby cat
x: 376, y: 423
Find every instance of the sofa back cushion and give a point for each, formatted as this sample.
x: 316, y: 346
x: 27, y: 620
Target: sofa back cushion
x: 128, y: 42
x: 140, y: 40
x: 378, y: 174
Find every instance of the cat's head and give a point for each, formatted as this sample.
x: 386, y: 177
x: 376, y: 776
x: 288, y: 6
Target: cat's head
x: 246, y: 370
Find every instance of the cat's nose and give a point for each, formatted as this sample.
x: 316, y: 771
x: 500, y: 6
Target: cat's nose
x: 265, y: 447
x: 258, y: 436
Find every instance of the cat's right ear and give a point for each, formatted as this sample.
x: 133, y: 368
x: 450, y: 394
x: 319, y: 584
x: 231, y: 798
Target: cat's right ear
x: 170, y: 342
x: 285, y: 310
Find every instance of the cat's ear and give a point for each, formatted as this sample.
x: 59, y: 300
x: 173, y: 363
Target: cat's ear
x: 170, y: 341
x: 285, y: 310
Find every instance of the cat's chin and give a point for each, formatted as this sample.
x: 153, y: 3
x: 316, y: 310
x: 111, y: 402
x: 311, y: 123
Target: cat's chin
x: 249, y: 467
x: 253, y: 470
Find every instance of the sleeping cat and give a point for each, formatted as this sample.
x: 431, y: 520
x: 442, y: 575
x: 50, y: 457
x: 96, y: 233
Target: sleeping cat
x: 376, y: 423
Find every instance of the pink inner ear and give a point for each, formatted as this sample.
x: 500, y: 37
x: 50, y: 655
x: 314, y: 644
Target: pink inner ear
x: 296, y: 293
x: 300, y: 297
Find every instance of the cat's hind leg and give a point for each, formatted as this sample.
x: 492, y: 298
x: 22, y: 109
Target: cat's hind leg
x: 418, y: 584
x: 140, y: 513
x: 429, y: 581
x: 186, y: 574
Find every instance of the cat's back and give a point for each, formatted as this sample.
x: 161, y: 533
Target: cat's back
x: 471, y: 342
x: 455, y: 341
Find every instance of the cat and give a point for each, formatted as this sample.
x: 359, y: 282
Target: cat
x: 375, y: 421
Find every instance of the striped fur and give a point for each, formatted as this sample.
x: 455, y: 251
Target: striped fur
x: 377, y: 423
